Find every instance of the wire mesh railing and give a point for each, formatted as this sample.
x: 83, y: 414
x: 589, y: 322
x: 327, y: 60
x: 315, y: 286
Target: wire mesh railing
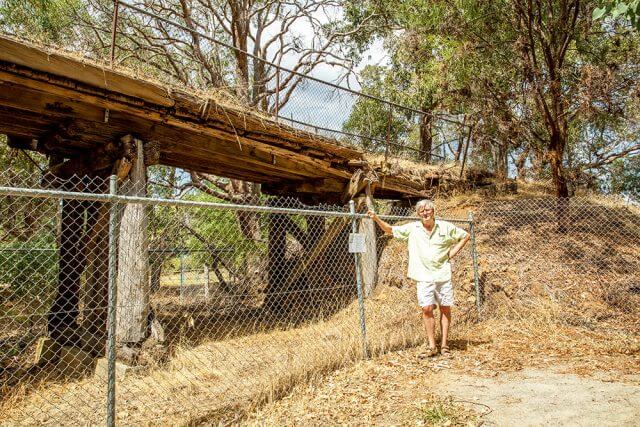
x: 217, y: 307
x: 181, y: 309
x: 183, y: 47
x: 578, y: 259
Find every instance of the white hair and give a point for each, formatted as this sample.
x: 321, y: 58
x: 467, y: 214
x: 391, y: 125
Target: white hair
x: 426, y: 203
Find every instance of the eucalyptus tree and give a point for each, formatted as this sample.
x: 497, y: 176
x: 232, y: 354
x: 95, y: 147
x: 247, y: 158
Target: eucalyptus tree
x: 539, y: 78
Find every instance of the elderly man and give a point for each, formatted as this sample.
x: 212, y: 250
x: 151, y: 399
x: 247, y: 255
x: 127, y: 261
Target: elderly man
x: 432, y: 243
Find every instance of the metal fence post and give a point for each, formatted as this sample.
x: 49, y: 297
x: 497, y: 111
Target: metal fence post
x: 111, y: 309
x: 114, y: 28
x: 363, y: 325
x: 474, y: 257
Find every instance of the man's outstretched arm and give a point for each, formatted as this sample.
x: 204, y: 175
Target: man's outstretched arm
x: 458, y: 246
x: 384, y: 226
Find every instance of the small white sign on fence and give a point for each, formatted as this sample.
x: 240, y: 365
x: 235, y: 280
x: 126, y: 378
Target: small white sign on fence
x: 357, y: 243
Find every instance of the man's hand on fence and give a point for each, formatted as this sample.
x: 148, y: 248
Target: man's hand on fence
x: 382, y: 224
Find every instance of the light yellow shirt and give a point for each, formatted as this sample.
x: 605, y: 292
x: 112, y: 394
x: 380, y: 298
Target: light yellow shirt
x: 429, y: 253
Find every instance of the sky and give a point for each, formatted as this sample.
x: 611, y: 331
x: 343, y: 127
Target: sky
x: 313, y: 102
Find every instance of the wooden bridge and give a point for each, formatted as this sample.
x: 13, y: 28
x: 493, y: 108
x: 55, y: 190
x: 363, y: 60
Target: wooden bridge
x: 91, y: 120
x: 77, y: 113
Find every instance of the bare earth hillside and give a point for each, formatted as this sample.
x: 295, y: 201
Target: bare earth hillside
x: 556, y: 341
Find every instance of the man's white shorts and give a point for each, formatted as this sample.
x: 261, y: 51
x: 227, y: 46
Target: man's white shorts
x: 430, y: 293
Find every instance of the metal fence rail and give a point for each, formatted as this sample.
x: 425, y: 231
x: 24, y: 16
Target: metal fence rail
x: 119, y: 309
x: 116, y: 308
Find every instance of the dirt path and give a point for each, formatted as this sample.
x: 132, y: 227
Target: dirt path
x: 536, y: 397
x: 401, y: 389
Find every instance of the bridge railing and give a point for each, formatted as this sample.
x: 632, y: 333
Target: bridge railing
x: 154, y: 41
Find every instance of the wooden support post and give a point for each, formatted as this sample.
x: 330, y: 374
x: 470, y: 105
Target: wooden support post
x: 64, y: 311
x: 369, y: 259
x: 97, y: 277
x: 330, y: 234
x: 315, y: 229
x: 132, y: 325
x: 277, y: 246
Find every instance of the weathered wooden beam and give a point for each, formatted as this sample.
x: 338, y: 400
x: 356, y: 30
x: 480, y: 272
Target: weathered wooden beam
x: 188, y: 137
x: 23, y: 123
x: 31, y: 57
x: 63, y: 315
x: 94, y: 325
x: 100, y: 80
x: 276, y: 263
x: 317, y: 186
x: 368, y: 259
x: 90, y: 163
x: 215, y: 168
x: 132, y: 323
x: 229, y: 125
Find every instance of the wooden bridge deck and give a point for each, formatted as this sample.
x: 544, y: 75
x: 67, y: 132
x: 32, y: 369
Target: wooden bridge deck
x: 69, y: 108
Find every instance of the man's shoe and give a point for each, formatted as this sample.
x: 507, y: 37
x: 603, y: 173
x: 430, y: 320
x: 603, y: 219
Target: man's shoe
x: 429, y: 352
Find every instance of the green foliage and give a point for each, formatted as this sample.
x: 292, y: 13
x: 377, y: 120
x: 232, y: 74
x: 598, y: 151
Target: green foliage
x: 470, y: 58
x: 625, y: 177
x: 616, y: 8
x: 30, y: 269
x: 374, y: 119
x: 444, y: 413
x: 49, y: 19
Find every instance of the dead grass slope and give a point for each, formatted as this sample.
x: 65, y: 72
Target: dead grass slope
x: 547, y: 296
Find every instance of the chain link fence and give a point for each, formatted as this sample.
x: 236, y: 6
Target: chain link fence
x: 213, y: 308
x: 576, y: 260
x: 122, y: 308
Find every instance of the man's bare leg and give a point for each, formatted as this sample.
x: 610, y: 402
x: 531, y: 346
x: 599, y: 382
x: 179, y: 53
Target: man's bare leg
x: 445, y: 321
x: 429, y: 325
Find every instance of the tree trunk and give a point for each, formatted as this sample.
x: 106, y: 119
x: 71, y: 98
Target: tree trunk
x: 521, y: 163
x: 62, y: 318
x: 462, y: 141
x: 240, y: 26
x: 246, y: 192
x: 499, y: 153
x: 538, y: 163
x: 426, y: 138
x: 133, y: 260
x: 556, y: 151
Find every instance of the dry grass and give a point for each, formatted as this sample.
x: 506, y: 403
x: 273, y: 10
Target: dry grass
x: 542, y: 307
x: 216, y: 379
x: 394, y: 164
x: 393, y: 389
